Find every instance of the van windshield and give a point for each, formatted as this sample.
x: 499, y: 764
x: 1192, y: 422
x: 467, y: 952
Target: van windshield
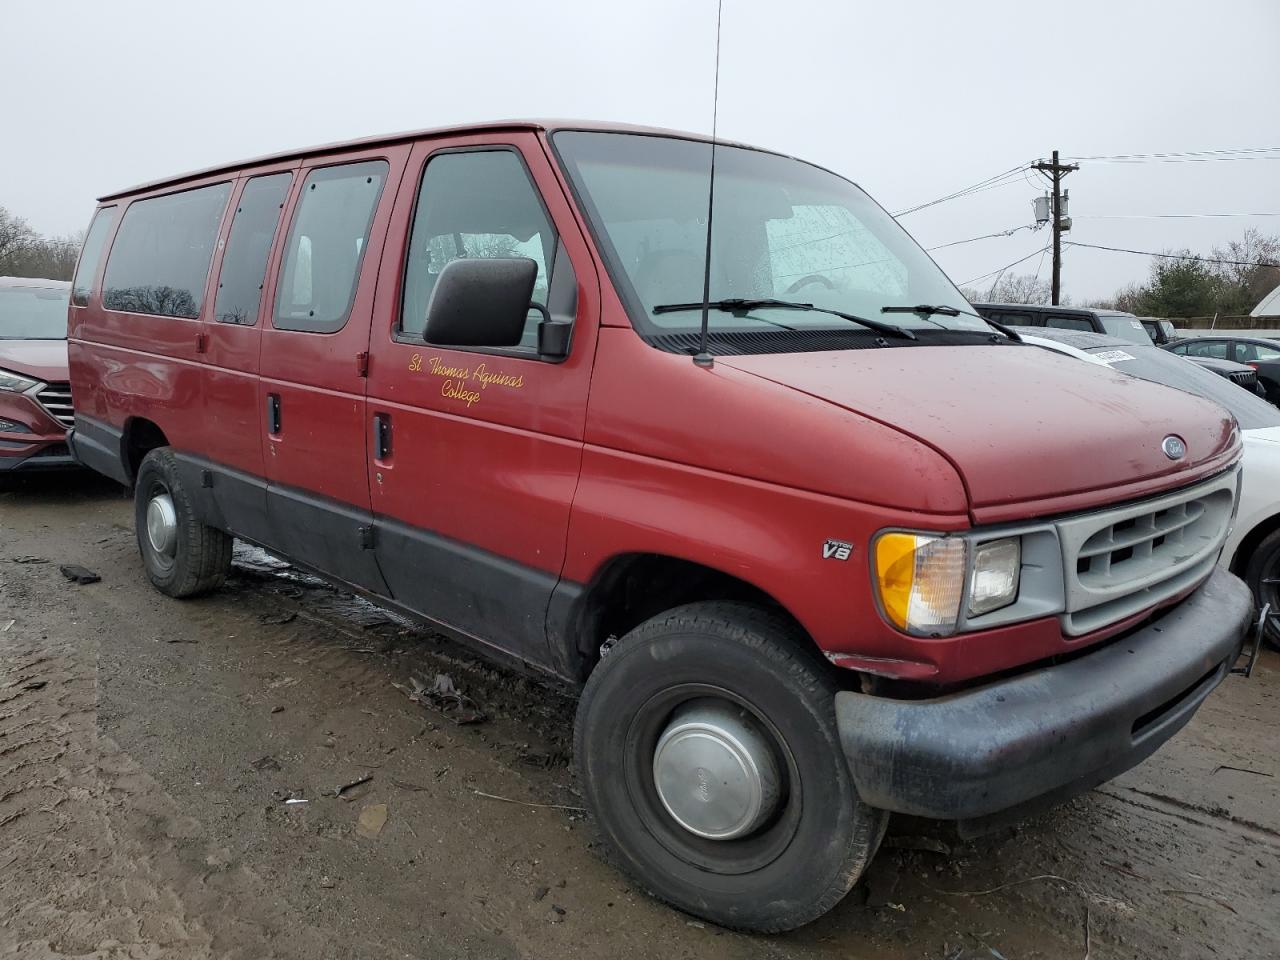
x: 1126, y: 328
x: 33, y: 313
x: 781, y: 229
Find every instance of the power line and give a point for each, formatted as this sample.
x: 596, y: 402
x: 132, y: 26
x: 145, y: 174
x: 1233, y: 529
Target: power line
x: 985, y: 236
x: 1004, y: 268
x: 1167, y: 256
x: 1188, y: 156
x: 1174, y: 159
x: 1167, y: 216
x: 1000, y: 179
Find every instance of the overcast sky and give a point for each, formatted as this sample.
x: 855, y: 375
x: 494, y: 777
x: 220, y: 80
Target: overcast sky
x: 913, y: 100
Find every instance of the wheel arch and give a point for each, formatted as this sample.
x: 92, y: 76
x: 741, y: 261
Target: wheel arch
x: 630, y: 588
x: 1249, y: 543
x: 140, y: 437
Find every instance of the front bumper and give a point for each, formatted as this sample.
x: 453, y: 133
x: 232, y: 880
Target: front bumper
x: 1037, y: 738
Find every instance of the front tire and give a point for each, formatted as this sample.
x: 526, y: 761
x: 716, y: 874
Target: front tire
x: 707, y: 749
x: 1262, y: 574
x: 183, y: 557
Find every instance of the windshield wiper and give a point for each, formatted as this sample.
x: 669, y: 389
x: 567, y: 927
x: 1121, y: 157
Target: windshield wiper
x: 924, y: 309
x: 742, y: 305
x: 927, y: 309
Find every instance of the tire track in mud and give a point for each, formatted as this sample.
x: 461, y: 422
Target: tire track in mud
x: 95, y: 859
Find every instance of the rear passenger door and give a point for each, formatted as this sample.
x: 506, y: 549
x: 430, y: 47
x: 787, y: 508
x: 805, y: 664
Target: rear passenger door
x: 232, y: 437
x: 477, y: 451
x: 314, y: 361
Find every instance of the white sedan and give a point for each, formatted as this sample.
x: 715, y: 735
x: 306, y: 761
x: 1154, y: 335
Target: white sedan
x: 1252, y: 550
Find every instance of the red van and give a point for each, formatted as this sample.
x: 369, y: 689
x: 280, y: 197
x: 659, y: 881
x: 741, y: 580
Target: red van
x: 832, y: 569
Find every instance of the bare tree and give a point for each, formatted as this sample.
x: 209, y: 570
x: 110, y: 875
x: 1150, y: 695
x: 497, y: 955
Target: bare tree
x: 1252, y: 273
x: 15, y: 235
x: 1011, y: 288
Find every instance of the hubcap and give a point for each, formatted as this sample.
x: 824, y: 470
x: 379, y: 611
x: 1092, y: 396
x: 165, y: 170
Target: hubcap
x: 715, y: 772
x: 162, y: 525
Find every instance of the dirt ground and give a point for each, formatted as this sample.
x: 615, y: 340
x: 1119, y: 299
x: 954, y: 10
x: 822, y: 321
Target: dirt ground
x: 148, y: 746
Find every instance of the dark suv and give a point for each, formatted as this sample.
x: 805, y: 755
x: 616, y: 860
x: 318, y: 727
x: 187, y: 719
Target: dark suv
x: 1161, y: 331
x: 1111, y: 322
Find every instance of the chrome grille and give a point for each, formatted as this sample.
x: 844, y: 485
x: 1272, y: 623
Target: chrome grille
x: 56, y: 399
x: 1121, y: 561
x: 1245, y: 378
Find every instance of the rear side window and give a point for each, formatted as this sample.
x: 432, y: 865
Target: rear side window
x: 244, y: 265
x: 159, y: 263
x: 326, y: 246
x: 1254, y: 352
x: 1068, y: 323
x: 475, y: 204
x: 91, y: 255
x: 1011, y: 319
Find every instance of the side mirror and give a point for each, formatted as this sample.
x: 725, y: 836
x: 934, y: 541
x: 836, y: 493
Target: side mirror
x: 481, y: 303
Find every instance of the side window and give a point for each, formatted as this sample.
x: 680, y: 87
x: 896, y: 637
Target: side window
x: 326, y: 246
x: 1010, y: 319
x: 159, y: 262
x: 244, y: 264
x: 1068, y: 323
x: 1216, y: 349
x: 1180, y: 349
x: 91, y: 255
x: 475, y: 204
x: 1264, y: 353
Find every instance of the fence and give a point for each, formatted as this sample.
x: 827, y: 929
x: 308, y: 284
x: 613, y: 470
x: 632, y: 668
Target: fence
x: 1227, y: 323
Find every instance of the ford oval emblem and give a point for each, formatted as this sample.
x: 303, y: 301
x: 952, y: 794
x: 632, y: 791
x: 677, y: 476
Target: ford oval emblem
x: 1173, y: 447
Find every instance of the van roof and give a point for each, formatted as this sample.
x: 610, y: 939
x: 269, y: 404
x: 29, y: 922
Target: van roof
x: 390, y: 138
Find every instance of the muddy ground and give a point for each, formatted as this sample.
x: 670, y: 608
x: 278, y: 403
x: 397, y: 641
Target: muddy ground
x: 147, y: 747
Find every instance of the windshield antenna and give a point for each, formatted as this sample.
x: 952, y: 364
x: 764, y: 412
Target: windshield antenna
x: 702, y: 358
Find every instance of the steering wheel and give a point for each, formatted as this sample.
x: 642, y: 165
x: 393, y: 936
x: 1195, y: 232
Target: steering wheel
x: 811, y: 278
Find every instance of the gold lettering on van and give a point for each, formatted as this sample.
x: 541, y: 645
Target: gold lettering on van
x: 467, y: 383
x: 455, y: 390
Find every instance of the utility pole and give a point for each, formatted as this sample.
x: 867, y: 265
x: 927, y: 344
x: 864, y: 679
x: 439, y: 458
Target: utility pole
x: 1056, y: 171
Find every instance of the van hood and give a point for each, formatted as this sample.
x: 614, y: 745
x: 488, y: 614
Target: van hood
x: 42, y: 359
x: 1030, y: 432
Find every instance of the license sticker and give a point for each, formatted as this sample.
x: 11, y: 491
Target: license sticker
x: 1112, y: 356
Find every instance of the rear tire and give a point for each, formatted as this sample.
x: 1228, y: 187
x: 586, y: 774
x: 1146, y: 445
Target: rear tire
x: 183, y: 557
x: 1262, y: 573
x: 802, y: 855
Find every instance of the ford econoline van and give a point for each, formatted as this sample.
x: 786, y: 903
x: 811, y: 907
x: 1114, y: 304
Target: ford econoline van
x: 820, y: 565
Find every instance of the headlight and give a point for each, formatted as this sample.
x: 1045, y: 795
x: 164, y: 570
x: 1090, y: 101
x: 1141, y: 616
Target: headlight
x: 14, y: 383
x: 994, y: 581
x: 921, y: 580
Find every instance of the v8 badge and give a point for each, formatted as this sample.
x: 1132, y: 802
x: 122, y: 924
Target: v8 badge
x: 836, y: 550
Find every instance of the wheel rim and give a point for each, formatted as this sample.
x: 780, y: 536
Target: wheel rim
x: 761, y: 832
x: 162, y: 525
